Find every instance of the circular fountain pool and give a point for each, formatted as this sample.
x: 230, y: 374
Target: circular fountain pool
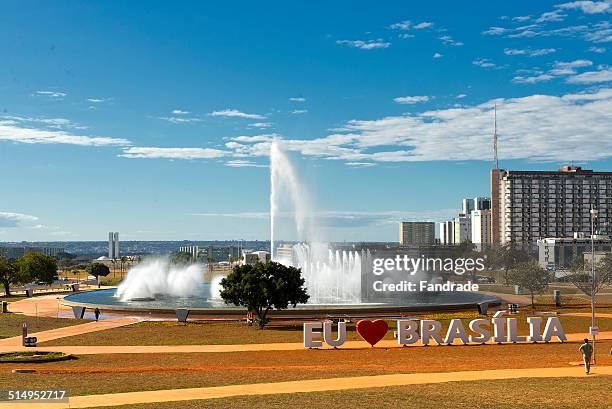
x: 201, y: 305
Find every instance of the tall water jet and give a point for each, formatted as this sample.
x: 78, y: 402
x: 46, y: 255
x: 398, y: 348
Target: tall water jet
x: 284, y: 180
x: 331, y: 276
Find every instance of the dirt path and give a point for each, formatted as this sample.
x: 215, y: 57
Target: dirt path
x: 314, y: 385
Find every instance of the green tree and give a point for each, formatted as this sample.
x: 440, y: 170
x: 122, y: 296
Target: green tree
x: 582, y: 278
x: 262, y: 287
x: 505, y: 258
x: 9, y: 275
x: 531, y: 276
x: 37, y: 266
x: 124, y: 261
x: 98, y: 270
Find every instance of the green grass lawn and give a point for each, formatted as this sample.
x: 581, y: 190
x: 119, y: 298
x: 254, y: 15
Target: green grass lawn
x: 205, y: 333
x: 11, y: 324
x: 527, y: 393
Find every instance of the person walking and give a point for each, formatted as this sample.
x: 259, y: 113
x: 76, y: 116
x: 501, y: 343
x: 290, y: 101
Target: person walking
x: 587, y: 351
x: 97, y: 313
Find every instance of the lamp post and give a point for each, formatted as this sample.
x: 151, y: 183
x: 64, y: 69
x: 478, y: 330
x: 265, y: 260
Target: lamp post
x: 594, y: 213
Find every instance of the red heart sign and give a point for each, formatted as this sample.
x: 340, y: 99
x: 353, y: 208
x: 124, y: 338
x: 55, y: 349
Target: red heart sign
x: 372, y: 331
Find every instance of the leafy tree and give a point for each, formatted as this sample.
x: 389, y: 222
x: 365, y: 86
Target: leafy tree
x: 531, y: 276
x: 9, y: 275
x: 98, y: 270
x: 37, y: 266
x: 506, y: 258
x: 582, y: 278
x: 262, y: 287
x: 124, y: 261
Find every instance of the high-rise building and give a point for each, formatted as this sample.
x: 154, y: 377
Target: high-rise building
x: 417, y: 233
x: 481, y: 227
x: 531, y: 205
x: 113, y: 245
x: 476, y: 203
x: 446, y: 232
x: 462, y: 229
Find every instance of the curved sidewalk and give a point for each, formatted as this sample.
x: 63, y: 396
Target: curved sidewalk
x: 305, y: 386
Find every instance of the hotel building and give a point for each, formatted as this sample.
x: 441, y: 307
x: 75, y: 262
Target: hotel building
x: 417, y: 233
x: 531, y: 205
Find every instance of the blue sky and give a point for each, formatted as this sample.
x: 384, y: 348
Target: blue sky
x: 155, y: 118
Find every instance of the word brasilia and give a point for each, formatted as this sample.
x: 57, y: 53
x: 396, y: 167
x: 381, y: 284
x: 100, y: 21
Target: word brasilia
x: 411, y: 331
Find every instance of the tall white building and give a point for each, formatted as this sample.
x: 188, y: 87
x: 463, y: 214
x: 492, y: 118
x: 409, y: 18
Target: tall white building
x: 446, y: 232
x: 462, y: 229
x: 481, y: 227
x: 113, y: 245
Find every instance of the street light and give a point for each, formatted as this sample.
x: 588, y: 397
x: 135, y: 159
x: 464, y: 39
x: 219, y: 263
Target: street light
x: 593, y: 329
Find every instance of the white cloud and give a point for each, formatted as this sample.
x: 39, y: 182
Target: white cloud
x: 535, y: 127
x: 411, y: 99
x: 484, y: 63
x: 298, y: 111
x: 598, y: 50
x: 529, y: 52
x: 260, y: 125
x: 21, y: 129
x: 424, y: 24
x: 402, y: 25
x: 437, y: 55
x: 559, y: 68
x: 551, y: 16
x: 360, y: 164
x: 330, y: 218
x: 588, y: 7
x: 461, y: 96
x: 235, y: 113
x: 172, y: 153
x: 532, y: 79
x: 180, y: 119
x: 365, y: 45
x: 244, y: 164
x: 97, y: 100
x: 591, y: 77
x: 10, y: 219
x: 521, y: 19
x: 180, y: 112
x: 297, y: 99
x: 448, y: 40
x: 493, y: 31
x: 51, y: 94
x: 406, y: 36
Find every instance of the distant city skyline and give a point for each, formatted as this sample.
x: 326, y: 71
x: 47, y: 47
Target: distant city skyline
x: 154, y: 119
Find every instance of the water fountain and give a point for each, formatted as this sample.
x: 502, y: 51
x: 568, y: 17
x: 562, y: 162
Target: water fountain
x: 333, y: 276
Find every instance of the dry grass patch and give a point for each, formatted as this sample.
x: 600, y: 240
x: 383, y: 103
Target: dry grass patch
x: 525, y: 393
x: 95, y: 374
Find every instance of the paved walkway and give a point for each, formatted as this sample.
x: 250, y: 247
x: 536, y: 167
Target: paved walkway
x: 70, y: 331
x: 40, y: 306
x: 587, y: 314
x: 312, y: 385
x: 286, y: 346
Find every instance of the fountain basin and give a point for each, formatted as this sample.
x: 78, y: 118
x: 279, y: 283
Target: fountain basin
x: 107, y: 301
